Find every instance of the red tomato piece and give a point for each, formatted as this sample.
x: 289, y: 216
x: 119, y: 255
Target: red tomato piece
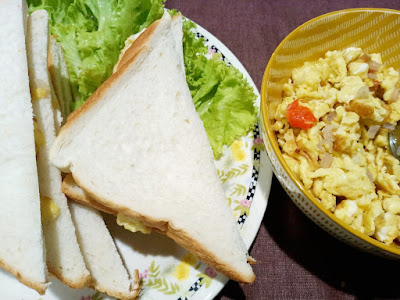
x: 300, y: 116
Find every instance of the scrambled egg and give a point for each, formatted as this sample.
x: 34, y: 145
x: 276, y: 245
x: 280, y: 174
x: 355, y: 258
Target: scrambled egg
x: 344, y: 158
x: 132, y: 224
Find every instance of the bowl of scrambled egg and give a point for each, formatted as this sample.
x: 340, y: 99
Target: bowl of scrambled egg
x: 329, y: 98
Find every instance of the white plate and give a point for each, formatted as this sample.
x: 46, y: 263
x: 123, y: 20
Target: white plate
x: 167, y: 270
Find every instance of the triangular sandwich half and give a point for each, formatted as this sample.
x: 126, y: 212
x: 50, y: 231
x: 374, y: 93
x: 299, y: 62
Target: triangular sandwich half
x: 138, y: 146
x: 22, y: 250
x: 64, y: 258
x: 108, y: 273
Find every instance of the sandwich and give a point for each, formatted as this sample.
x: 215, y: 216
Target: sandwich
x: 92, y: 35
x: 79, y: 246
x: 22, y: 250
x: 63, y: 255
x: 108, y: 273
x: 138, y: 147
x: 36, y: 218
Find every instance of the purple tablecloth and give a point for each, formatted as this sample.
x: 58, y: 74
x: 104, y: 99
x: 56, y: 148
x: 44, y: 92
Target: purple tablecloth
x: 295, y: 258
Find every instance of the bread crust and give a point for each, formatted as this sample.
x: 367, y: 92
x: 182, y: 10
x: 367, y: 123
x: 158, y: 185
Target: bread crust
x: 133, y: 295
x: 179, y: 236
x: 68, y: 189
x: 84, y: 281
x: 136, y: 285
x: 134, y: 288
x: 160, y: 226
x: 140, y: 46
x: 38, y: 286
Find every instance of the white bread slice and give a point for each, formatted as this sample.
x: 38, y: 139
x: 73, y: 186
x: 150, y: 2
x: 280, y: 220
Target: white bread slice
x: 22, y: 250
x: 64, y: 258
x: 109, y: 275
x: 139, y: 147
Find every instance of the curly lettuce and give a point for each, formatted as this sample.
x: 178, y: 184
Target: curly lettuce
x: 222, y: 97
x: 92, y: 34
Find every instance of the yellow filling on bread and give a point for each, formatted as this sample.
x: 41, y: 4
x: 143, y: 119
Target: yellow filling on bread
x: 49, y: 210
x: 132, y: 224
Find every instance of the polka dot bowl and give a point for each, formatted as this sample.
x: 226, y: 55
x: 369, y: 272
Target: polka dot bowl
x: 373, y: 30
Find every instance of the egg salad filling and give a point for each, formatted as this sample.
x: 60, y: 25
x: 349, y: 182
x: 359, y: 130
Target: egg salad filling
x: 132, y: 224
x: 332, y: 128
x: 49, y: 210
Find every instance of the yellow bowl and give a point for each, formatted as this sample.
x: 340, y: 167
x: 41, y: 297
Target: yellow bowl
x: 373, y: 30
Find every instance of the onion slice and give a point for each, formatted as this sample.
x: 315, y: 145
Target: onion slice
x: 373, y: 66
x: 395, y: 94
x: 363, y: 92
x: 372, y: 76
x: 373, y: 130
x: 326, y: 160
x: 370, y: 177
x: 327, y: 133
x: 331, y: 116
x: 388, y: 126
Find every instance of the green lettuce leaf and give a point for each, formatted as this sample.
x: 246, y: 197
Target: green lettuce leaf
x: 222, y: 97
x: 92, y: 34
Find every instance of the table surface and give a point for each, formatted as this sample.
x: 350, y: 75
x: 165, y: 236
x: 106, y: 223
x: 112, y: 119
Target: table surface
x: 295, y: 258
